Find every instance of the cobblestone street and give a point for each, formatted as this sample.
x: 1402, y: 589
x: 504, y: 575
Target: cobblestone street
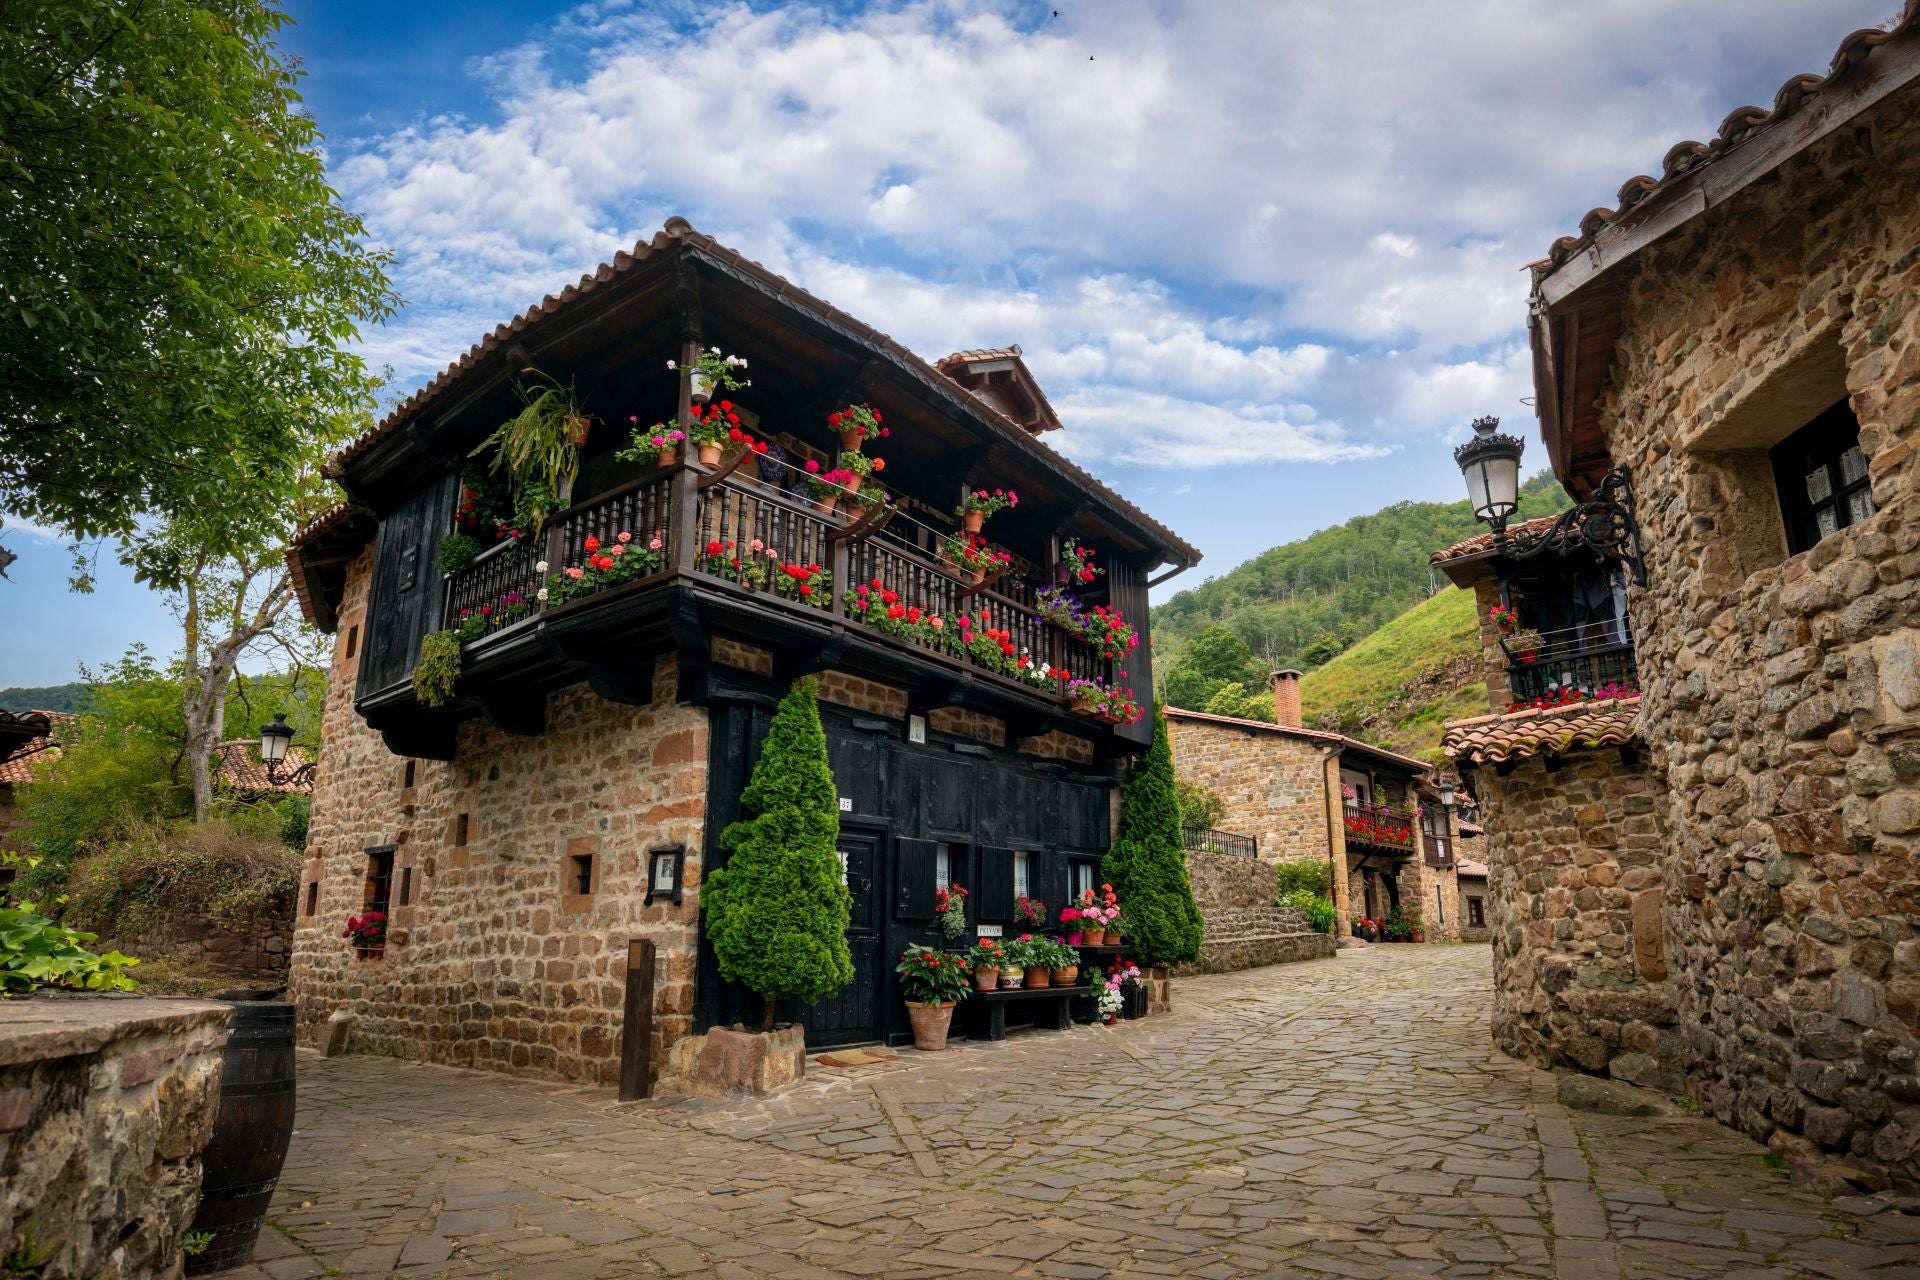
x: 1344, y: 1117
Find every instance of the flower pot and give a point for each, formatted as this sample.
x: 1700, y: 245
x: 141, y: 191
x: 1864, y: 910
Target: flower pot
x: 1094, y: 937
x: 1073, y: 939
x: 1365, y: 934
x: 976, y: 576
x: 669, y: 456
x: 710, y: 455
x: 986, y: 979
x: 1529, y: 657
x: 1010, y: 979
x: 1064, y: 977
x: 1082, y: 705
x: 1112, y: 1019
x: 930, y: 1024
x: 1103, y: 716
x: 825, y: 505
x: 1113, y: 939
x: 1135, y: 1001
x: 972, y: 521
x: 1036, y: 977
x: 850, y: 440
x: 580, y: 428
x: 702, y: 386
x: 370, y: 953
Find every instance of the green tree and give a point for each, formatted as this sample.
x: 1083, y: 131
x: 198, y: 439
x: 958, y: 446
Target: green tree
x: 1146, y: 867
x: 777, y: 912
x: 179, y: 286
x: 1213, y: 658
x: 1236, y: 699
x: 1201, y: 808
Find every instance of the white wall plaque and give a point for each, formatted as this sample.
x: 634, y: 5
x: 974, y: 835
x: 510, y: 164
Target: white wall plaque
x: 988, y: 931
x: 846, y: 804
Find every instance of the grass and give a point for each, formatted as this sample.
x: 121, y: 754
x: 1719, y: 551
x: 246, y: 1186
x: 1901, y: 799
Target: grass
x: 1375, y: 671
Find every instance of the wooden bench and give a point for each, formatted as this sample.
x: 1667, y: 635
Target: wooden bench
x: 1050, y: 1014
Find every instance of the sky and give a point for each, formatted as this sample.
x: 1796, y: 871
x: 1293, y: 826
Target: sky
x: 1267, y: 257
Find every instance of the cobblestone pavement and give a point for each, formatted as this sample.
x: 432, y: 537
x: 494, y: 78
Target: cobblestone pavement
x: 1344, y: 1117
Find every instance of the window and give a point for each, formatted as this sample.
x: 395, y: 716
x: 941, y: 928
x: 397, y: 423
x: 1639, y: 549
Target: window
x: 1476, y: 913
x: 406, y: 886
x: 579, y: 874
x: 1082, y: 878
x: 313, y: 897
x: 1822, y: 478
x: 407, y: 777
x: 353, y: 641
x: 942, y: 865
x: 460, y: 828
x: 378, y: 890
x: 1022, y: 875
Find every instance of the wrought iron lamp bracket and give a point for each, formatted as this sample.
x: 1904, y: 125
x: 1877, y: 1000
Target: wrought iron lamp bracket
x: 295, y: 775
x: 1604, y: 524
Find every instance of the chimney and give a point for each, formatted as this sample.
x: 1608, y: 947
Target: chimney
x: 1286, y: 699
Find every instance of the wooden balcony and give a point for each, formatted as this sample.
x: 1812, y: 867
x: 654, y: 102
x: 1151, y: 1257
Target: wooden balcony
x: 697, y: 522
x: 1379, y: 826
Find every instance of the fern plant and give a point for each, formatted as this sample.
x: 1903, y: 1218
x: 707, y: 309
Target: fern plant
x: 539, y: 448
x: 438, y: 669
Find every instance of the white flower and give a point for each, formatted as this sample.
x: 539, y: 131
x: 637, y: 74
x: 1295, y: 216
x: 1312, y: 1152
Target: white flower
x: 671, y: 364
x: 541, y: 595
x: 715, y: 350
x: 541, y: 567
x: 747, y: 383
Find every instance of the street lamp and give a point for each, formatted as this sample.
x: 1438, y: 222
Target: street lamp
x: 1604, y: 523
x: 275, y: 738
x: 1446, y: 795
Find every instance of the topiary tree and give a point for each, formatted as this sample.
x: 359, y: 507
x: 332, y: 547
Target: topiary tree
x: 1146, y: 866
x: 777, y: 912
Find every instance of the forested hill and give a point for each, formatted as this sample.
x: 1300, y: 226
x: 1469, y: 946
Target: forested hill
x: 57, y: 697
x: 1300, y: 604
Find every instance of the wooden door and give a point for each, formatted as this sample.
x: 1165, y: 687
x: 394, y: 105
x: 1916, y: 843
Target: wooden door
x: 853, y: 1016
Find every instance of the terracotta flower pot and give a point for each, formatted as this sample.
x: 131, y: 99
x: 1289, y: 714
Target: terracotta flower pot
x: 669, y: 456
x: 825, y: 505
x: 1112, y: 1019
x: 1082, y: 705
x: 972, y: 521
x: 1010, y: 979
x: 930, y: 1025
x: 976, y: 576
x: 580, y: 429
x: 370, y: 953
x: 1094, y: 937
x: 850, y: 440
x: 1064, y: 977
x: 1113, y: 939
x: 986, y: 979
x: 710, y: 455
x: 1036, y: 976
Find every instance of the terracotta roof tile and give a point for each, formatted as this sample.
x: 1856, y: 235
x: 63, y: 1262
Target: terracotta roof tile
x: 678, y: 231
x: 1492, y: 739
x: 1316, y: 735
x: 1483, y: 542
x: 20, y: 762
x: 240, y: 770
x: 1740, y: 125
x: 1466, y: 867
x: 979, y: 353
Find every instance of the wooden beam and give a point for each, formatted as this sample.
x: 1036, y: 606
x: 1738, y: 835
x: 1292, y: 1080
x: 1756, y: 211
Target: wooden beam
x: 636, y: 1021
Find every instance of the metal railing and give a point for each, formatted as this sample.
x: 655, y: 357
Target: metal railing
x: 1597, y: 658
x: 1383, y: 825
x: 1202, y: 840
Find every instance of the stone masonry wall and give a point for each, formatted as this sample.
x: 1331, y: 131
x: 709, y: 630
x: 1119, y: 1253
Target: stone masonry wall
x: 1782, y: 693
x: 1244, y: 929
x: 1274, y: 784
x: 1581, y: 975
x: 496, y: 961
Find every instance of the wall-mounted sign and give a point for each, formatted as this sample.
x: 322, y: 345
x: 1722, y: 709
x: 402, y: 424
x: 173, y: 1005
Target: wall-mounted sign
x: 663, y: 872
x: 846, y: 804
x: 917, y: 729
x: 988, y: 930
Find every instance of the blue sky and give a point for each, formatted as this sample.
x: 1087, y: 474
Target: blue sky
x: 1266, y: 256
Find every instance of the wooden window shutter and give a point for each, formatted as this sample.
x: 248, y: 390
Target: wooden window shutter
x: 915, y: 860
x: 994, y: 901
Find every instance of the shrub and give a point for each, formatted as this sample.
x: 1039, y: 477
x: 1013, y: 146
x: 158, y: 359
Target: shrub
x: 777, y: 912
x: 160, y: 873
x: 1201, y: 808
x: 438, y: 668
x: 36, y: 952
x: 1313, y: 876
x: 457, y: 551
x: 1146, y: 866
x: 1320, y: 913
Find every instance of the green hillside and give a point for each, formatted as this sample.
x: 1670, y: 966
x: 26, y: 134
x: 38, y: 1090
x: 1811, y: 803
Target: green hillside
x: 1400, y: 684
x: 1299, y: 604
x: 57, y: 697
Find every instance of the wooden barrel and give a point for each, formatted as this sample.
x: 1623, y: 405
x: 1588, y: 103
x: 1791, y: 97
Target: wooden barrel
x: 251, y: 1130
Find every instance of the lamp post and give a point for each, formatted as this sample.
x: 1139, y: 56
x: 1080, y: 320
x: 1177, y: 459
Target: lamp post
x: 275, y: 738
x: 1490, y: 463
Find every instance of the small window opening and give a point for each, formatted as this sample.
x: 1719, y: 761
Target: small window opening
x: 1022, y: 875
x: 1081, y: 878
x: 1822, y: 478
x: 1440, y: 902
x: 353, y: 641
x: 460, y: 831
x: 580, y: 873
x: 378, y: 891
x: 313, y: 897
x: 406, y: 886
x: 1476, y: 913
x: 408, y: 777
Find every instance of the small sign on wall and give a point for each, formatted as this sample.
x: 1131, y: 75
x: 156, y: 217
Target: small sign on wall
x: 846, y: 804
x: 988, y: 931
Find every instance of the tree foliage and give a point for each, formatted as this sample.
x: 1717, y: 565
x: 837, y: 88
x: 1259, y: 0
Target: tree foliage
x: 777, y: 913
x: 1146, y: 865
x: 179, y: 285
x: 1201, y: 808
x: 1300, y: 604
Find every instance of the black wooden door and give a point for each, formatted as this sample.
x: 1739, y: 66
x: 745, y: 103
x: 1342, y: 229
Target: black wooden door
x: 853, y: 1016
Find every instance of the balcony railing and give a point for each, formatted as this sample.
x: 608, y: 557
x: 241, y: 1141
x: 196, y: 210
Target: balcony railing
x: 1202, y: 840
x: 739, y: 533
x: 1593, y: 659
x: 1382, y: 825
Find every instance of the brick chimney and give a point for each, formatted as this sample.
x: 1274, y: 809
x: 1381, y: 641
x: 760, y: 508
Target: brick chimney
x: 1286, y: 699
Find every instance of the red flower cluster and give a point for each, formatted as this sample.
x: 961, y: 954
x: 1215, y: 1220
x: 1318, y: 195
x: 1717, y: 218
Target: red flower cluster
x: 369, y: 930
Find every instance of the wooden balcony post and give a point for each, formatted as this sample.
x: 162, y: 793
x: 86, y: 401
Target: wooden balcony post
x: 683, y: 500
x: 839, y: 560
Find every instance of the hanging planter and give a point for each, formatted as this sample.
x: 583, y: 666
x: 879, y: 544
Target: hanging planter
x: 978, y: 504
x: 658, y: 444
x: 538, y: 448
x: 711, y: 370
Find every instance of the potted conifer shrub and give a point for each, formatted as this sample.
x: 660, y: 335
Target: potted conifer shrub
x: 932, y: 982
x: 1148, y: 869
x: 777, y: 913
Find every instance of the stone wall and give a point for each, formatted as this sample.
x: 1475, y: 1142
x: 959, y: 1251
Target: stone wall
x: 1273, y: 783
x: 493, y: 959
x: 105, y: 1105
x: 1244, y: 929
x: 1782, y: 693
x: 254, y: 954
x: 1581, y: 977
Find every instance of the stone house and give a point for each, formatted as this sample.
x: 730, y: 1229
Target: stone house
x: 1713, y: 886
x: 1294, y: 793
x: 570, y: 796
x: 1473, y: 900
